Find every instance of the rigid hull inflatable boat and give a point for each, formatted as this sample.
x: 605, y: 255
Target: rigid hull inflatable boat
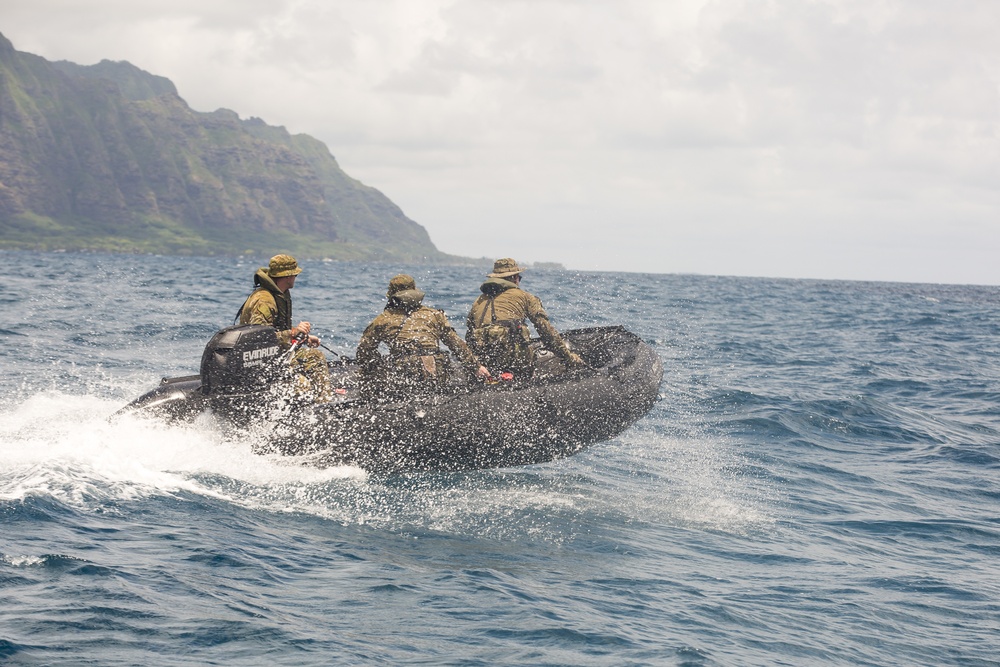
x: 467, y: 425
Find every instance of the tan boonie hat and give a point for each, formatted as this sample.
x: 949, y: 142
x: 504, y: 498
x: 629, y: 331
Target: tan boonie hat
x: 504, y: 268
x: 283, y: 265
x: 400, y: 283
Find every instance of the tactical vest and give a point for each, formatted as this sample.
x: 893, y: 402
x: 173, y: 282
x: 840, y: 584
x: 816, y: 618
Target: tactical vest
x: 500, y: 344
x: 282, y: 301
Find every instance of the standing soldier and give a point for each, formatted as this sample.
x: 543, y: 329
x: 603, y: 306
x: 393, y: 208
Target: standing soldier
x: 271, y: 304
x: 412, y: 333
x: 496, y: 329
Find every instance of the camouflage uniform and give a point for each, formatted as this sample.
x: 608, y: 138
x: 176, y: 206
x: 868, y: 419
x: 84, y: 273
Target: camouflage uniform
x: 270, y: 306
x: 496, y: 329
x: 412, y: 333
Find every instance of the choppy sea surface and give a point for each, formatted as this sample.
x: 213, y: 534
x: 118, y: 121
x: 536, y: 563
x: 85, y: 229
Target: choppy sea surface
x: 819, y: 484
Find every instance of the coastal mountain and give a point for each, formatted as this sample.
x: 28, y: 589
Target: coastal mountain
x: 109, y: 157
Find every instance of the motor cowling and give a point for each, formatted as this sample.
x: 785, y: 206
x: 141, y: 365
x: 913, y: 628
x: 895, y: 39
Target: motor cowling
x: 240, y: 359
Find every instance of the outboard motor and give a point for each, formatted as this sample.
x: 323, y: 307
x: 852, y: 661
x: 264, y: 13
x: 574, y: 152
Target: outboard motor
x: 241, y: 359
x: 242, y: 368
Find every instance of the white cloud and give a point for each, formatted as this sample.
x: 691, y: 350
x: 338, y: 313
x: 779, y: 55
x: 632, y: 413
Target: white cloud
x: 825, y: 138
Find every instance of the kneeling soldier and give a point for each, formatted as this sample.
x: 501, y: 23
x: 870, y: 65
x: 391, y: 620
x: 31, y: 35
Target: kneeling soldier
x: 497, y: 331
x: 412, y: 333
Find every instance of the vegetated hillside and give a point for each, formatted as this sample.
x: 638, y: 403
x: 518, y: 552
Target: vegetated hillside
x: 109, y: 157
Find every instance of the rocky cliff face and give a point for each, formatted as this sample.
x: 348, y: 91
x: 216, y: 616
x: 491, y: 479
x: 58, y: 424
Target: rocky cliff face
x: 110, y: 157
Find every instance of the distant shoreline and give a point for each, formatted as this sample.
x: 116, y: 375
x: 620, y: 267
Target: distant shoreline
x: 451, y: 260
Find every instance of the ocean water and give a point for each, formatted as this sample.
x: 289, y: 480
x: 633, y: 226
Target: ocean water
x: 819, y: 484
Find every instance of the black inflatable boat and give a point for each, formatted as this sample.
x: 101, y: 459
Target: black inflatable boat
x: 468, y: 425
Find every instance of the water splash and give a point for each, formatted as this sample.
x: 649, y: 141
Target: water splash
x: 63, y: 446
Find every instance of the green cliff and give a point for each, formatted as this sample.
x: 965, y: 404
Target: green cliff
x: 109, y: 157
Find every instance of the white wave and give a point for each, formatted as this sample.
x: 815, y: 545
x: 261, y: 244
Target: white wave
x: 22, y: 561
x: 63, y: 446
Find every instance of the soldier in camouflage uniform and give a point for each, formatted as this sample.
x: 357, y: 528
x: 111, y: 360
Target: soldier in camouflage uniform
x: 271, y: 304
x: 412, y: 332
x: 496, y: 329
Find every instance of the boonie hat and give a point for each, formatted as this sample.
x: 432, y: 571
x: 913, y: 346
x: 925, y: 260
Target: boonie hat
x: 400, y: 283
x: 504, y: 268
x: 283, y: 265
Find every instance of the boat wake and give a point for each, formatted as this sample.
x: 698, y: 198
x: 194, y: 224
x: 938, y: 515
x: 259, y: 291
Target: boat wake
x: 61, y: 448
x: 64, y: 446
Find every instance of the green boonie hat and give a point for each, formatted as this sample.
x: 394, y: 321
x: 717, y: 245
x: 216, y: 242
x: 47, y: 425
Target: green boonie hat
x: 409, y: 298
x: 504, y: 268
x: 283, y: 265
x: 400, y: 283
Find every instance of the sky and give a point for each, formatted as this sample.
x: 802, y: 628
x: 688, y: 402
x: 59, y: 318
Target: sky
x: 830, y: 139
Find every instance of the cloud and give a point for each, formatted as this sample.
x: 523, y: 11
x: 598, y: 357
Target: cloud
x: 809, y: 138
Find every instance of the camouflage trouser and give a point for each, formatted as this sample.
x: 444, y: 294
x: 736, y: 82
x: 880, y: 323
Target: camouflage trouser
x: 312, y: 374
